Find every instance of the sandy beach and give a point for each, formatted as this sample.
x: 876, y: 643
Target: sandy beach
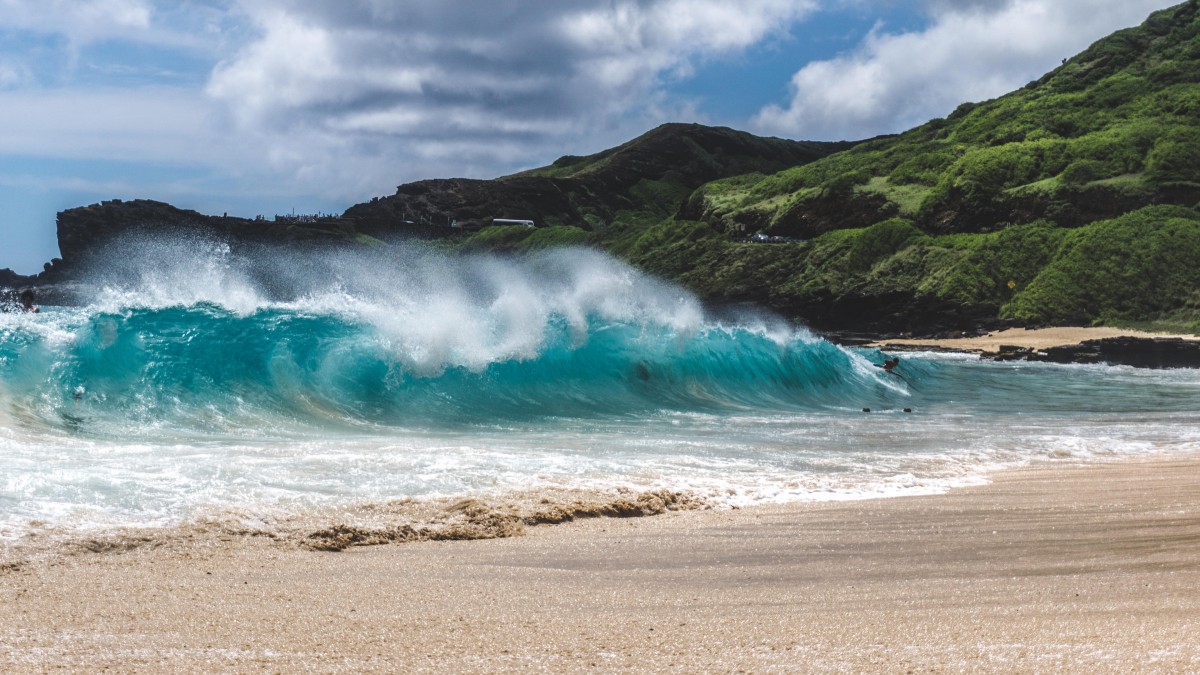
x: 1035, y: 338
x: 1046, y: 569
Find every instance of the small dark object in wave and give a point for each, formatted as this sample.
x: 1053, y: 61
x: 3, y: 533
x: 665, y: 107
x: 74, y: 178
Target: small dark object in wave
x: 866, y: 410
x: 26, y: 298
x: 908, y: 410
x: 888, y: 365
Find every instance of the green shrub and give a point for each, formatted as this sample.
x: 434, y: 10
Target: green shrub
x: 556, y: 237
x: 1083, y: 171
x: 993, y: 261
x: 874, y: 243
x: 843, y: 184
x: 924, y: 168
x: 1116, y: 90
x: 1134, y: 267
x: 1175, y: 157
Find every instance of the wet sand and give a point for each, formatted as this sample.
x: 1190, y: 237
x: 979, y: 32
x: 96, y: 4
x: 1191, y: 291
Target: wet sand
x: 1051, y: 569
x: 1037, y: 338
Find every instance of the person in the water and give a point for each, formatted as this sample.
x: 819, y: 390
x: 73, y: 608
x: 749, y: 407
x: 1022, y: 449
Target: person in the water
x: 888, y: 365
x: 27, y: 301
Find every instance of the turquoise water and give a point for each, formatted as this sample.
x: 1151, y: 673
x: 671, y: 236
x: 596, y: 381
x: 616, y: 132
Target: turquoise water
x: 212, y: 384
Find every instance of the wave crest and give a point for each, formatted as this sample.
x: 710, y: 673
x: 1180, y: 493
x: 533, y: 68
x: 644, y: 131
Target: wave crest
x: 212, y: 340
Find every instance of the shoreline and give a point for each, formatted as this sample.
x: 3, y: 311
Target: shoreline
x: 1026, y: 338
x: 1048, y: 567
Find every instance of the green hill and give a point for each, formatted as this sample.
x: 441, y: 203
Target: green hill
x: 637, y: 184
x: 1112, y: 129
x: 1044, y: 205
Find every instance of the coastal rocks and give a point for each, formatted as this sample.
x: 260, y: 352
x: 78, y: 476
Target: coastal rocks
x: 888, y: 313
x: 445, y: 207
x: 1128, y: 351
x: 10, y: 279
x: 88, y: 230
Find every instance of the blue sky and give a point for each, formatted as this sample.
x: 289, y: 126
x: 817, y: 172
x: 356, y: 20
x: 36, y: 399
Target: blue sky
x: 270, y: 106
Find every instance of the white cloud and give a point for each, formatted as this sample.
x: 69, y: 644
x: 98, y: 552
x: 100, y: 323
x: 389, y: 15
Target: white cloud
x: 80, y: 20
x: 13, y: 74
x: 91, y: 43
x: 346, y: 98
x: 149, y: 125
x: 970, y: 52
x: 383, y: 85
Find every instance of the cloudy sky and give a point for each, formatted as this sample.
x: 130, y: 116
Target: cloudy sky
x: 270, y: 106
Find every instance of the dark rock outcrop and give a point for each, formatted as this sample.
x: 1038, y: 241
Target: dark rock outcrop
x: 888, y: 314
x: 1138, y: 352
x: 10, y: 279
x: 88, y: 230
x: 828, y: 212
x: 1068, y: 207
x: 1129, y: 351
x: 427, y: 208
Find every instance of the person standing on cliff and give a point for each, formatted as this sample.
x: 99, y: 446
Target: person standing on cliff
x: 27, y: 301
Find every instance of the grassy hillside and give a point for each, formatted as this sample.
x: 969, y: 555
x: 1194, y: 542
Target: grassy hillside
x: 1045, y: 205
x: 1142, y: 268
x: 1112, y: 129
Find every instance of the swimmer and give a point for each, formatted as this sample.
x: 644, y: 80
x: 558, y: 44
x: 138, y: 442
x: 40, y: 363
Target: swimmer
x: 27, y: 301
x: 888, y: 365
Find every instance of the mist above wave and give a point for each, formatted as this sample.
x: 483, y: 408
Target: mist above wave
x: 438, y: 308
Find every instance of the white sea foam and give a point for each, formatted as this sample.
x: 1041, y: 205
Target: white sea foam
x: 732, y: 460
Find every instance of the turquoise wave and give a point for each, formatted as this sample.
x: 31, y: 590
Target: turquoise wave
x: 185, y: 340
x: 205, y: 367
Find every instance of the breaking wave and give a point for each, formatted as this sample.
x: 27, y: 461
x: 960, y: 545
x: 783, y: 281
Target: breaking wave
x: 213, y: 342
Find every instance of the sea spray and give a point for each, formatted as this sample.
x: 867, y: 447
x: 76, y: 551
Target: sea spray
x: 199, y: 380
x: 405, y: 338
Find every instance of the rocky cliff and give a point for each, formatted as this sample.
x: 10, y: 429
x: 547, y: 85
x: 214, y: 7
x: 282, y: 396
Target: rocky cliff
x: 87, y: 231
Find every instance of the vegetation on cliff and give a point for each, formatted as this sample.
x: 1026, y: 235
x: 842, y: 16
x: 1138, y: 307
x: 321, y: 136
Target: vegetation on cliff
x: 1140, y: 268
x: 1033, y: 207
x: 1113, y: 129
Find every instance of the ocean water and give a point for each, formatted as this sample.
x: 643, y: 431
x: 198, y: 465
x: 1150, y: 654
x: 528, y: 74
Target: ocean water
x: 195, y: 382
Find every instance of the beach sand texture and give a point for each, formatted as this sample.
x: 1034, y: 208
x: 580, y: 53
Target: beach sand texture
x: 1050, y: 569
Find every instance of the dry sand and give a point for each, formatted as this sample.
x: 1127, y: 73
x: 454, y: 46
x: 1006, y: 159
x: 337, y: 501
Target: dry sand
x: 1038, y: 338
x: 1078, y: 569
